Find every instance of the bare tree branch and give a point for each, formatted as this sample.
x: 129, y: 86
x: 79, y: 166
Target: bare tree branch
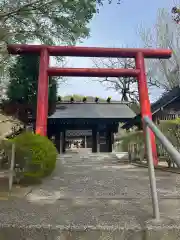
x: 126, y: 87
x: 163, y: 74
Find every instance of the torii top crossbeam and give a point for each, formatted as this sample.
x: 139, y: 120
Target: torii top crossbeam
x: 89, y: 51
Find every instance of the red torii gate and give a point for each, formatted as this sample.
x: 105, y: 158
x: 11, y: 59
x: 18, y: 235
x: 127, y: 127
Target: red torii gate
x: 45, y: 71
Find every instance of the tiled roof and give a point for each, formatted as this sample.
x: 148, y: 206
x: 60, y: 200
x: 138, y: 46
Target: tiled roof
x: 166, y: 99
x: 93, y: 111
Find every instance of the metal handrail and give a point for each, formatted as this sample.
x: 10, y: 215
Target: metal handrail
x: 149, y: 125
x: 164, y: 141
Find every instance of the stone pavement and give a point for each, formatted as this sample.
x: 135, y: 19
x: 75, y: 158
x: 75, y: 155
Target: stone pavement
x: 90, y: 196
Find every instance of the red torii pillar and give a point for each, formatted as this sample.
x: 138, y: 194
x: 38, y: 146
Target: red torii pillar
x: 45, y: 71
x: 42, y: 96
x: 144, y: 99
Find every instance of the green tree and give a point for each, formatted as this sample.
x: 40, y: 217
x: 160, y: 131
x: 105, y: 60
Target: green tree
x: 48, y: 21
x: 23, y: 79
x: 176, y: 14
x: 23, y: 86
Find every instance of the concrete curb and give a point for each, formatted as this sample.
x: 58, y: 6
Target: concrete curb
x: 156, y: 168
x: 151, y: 230
x: 17, y: 192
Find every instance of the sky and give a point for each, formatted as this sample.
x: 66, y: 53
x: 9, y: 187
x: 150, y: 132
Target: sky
x: 114, y: 26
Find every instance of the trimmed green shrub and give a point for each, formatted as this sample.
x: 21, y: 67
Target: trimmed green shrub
x: 170, y: 128
x: 38, y: 152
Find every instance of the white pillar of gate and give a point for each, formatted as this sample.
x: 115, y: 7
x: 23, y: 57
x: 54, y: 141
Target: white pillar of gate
x: 85, y: 142
x: 60, y: 142
x: 98, y: 142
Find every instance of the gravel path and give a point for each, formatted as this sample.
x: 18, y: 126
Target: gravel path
x: 91, y: 191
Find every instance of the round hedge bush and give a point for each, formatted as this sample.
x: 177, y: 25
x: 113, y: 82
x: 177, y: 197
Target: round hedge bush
x: 40, y: 152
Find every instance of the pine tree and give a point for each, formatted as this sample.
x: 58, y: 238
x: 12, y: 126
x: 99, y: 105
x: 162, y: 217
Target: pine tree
x: 23, y: 86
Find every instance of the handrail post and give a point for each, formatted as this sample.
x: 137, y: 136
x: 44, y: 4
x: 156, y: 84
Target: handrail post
x: 164, y: 141
x: 11, y: 170
x: 152, y: 177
